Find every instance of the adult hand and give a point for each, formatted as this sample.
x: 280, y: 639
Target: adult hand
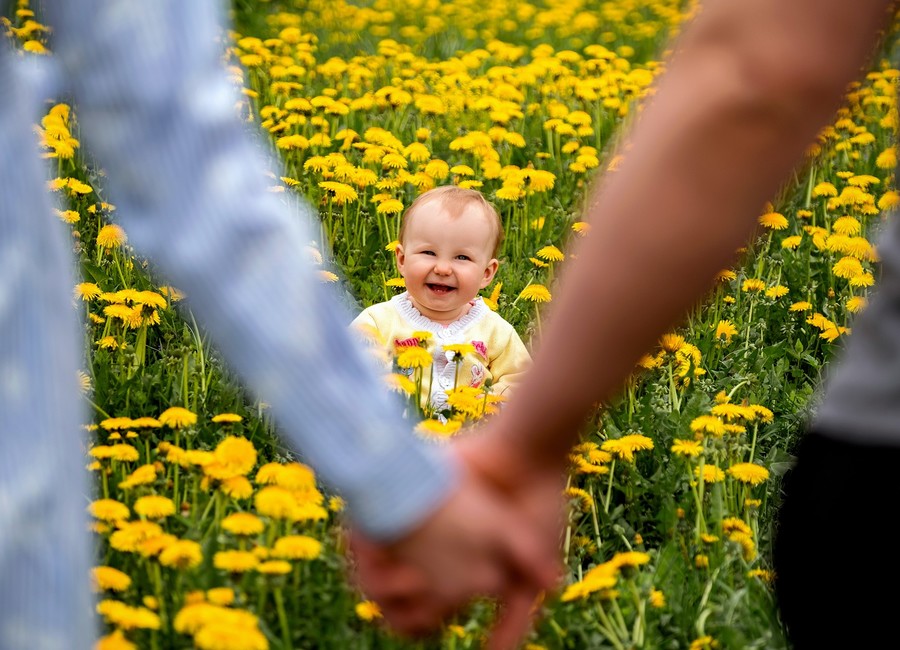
x: 534, y: 489
x: 477, y: 543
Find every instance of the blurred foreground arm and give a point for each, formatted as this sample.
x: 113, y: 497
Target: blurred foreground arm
x: 748, y: 87
x: 157, y: 110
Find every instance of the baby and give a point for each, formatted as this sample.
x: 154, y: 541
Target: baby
x: 449, y: 240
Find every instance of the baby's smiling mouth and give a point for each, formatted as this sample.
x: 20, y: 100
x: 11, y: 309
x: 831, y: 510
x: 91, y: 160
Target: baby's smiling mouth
x: 440, y: 288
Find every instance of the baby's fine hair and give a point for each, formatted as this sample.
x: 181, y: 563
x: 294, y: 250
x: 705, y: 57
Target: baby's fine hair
x: 455, y: 199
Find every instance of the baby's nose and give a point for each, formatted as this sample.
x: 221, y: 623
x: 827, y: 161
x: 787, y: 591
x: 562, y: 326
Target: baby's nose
x: 442, y: 267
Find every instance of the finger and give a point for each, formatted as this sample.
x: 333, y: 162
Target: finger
x: 382, y: 582
x: 515, y: 618
x: 531, y: 557
x: 413, y: 617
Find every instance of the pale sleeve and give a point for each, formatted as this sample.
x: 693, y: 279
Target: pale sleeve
x: 511, y: 362
x: 367, y: 329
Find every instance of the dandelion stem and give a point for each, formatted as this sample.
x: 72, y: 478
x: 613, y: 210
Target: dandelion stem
x: 612, y: 471
x: 282, y: 619
x: 753, y: 442
x: 607, y: 629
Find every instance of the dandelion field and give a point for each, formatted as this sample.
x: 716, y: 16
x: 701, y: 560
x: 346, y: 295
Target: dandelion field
x: 210, y: 533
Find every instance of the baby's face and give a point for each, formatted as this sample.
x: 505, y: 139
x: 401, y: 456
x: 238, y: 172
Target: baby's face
x: 446, y: 259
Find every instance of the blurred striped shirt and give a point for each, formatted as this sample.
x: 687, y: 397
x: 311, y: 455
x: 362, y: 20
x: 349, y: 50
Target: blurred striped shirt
x: 156, y: 110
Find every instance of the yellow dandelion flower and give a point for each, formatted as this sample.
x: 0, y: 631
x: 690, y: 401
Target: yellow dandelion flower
x: 732, y: 524
x: 107, y: 578
x: 182, y: 554
x: 800, y: 306
x: 630, y: 559
x: 536, y: 293
x: 671, y: 342
x: 856, y: 304
x: 154, y: 507
x: 749, y: 473
x: 492, y: 301
x: 390, y: 206
x: 708, y: 424
x: 551, y: 254
x: 846, y: 226
x: 275, y: 502
x: 87, y: 291
x: 243, y: 523
x: 510, y: 193
x: 824, y: 189
x: 733, y: 412
x: 228, y: 418
x: 222, y: 596
x: 690, y: 448
x: 764, y: 414
x: 762, y: 574
x: 108, y: 343
x: 581, y: 228
x: 657, y: 599
x: 704, y: 642
x: 177, y: 417
x: 847, y: 267
x: 127, y: 617
x: 77, y: 187
x: 368, y: 610
x: 792, y: 242
x: 462, y: 170
x: 234, y: 456
x: 773, y: 221
x: 268, y: 474
x: 627, y: 445
x: 400, y: 383
x: 889, y: 200
x: 111, y: 236
x: 726, y: 275
x: 753, y: 284
x: 726, y: 330
x: 109, y: 510
x: 235, y: 561
x: 414, y: 357
x: 777, y: 291
x: 114, y: 641
x: 297, y: 547
x: 862, y: 280
x: 340, y: 193
x: 143, y: 475
x: 274, y: 567
x: 711, y: 474
x: 460, y: 350
x: 236, y: 487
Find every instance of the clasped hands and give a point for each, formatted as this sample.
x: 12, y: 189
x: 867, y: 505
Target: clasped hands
x: 497, y: 535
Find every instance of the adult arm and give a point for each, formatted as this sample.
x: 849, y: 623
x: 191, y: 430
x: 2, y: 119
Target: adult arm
x: 156, y: 109
x: 747, y: 89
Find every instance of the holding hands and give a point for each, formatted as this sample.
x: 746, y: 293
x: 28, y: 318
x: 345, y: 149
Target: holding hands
x: 497, y: 535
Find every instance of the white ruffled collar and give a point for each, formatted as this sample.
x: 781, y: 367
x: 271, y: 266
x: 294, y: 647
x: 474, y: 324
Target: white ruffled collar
x: 407, y: 310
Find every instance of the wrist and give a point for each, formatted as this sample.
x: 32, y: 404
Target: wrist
x: 506, y: 460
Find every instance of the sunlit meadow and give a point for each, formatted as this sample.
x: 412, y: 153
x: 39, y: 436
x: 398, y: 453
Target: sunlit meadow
x: 211, y: 534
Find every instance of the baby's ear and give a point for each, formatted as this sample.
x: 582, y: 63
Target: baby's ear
x: 400, y: 257
x: 489, y: 272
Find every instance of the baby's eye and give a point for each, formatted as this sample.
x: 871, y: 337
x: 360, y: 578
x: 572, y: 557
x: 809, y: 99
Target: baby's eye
x: 428, y: 253
x: 463, y: 257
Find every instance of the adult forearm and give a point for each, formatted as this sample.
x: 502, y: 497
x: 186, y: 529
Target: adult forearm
x: 741, y: 101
